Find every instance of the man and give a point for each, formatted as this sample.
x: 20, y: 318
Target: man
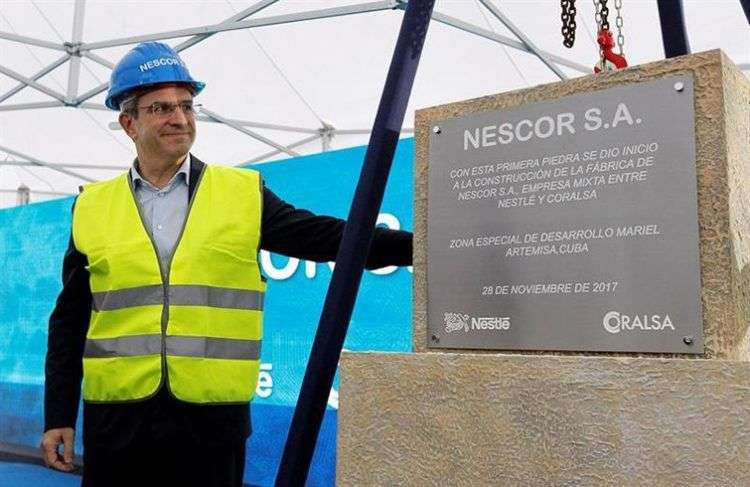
x: 161, y: 308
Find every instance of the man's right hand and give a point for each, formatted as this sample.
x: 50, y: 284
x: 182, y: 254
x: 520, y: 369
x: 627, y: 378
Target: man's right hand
x: 50, y: 441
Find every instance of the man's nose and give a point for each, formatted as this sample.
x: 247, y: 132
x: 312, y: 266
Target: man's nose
x: 178, y: 117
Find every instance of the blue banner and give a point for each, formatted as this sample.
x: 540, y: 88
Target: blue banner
x: 33, y: 239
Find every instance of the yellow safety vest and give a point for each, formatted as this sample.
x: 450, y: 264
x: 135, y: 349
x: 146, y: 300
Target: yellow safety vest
x: 196, y: 325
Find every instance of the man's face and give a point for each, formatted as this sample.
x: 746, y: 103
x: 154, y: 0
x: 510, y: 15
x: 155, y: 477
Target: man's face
x: 159, y: 136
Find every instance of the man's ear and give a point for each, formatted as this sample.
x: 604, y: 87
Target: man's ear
x: 127, y: 122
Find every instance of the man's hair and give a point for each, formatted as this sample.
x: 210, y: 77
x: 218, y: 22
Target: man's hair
x: 129, y: 103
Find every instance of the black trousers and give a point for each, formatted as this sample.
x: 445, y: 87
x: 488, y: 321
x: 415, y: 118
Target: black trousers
x: 164, y: 463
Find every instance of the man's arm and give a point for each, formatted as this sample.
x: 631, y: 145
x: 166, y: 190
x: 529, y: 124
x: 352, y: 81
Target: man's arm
x: 68, y: 325
x: 299, y: 233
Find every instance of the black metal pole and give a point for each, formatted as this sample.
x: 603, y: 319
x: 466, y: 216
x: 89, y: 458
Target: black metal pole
x: 355, y: 245
x: 673, y: 32
x: 746, y: 8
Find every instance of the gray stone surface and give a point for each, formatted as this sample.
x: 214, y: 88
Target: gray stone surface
x: 722, y: 122
x: 479, y: 419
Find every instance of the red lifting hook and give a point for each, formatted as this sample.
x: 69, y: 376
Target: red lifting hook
x: 610, y: 61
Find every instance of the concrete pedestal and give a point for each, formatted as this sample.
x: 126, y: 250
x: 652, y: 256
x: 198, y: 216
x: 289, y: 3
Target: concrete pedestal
x: 489, y: 418
x: 460, y: 419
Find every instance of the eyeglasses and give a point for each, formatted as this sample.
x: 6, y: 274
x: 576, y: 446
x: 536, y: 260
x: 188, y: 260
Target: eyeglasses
x: 164, y: 110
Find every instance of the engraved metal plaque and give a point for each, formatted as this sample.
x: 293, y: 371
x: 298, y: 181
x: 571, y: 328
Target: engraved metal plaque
x: 567, y: 225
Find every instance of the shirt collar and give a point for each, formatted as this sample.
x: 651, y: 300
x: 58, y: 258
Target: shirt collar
x: 184, y: 169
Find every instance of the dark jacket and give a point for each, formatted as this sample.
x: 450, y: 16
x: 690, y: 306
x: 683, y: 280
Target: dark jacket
x: 285, y: 230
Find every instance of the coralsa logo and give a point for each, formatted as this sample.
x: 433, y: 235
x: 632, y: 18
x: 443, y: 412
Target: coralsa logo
x: 459, y: 321
x: 615, y: 322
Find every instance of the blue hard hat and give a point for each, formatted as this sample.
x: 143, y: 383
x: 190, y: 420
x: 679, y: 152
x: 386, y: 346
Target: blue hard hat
x: 149, y: 63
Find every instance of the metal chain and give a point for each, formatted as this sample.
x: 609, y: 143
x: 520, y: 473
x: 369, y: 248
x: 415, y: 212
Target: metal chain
x: 568, y: 17
x: 619, y: 23
x: 602, y: 14
x: 597, y: 16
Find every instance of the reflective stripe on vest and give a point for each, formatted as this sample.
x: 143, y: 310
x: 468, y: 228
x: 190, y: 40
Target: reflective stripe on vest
x: 194, y: 325
x: 183, y: 346
x: 179, y: 294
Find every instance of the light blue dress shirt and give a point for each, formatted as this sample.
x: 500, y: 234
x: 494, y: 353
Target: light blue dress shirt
x: 164, y: 210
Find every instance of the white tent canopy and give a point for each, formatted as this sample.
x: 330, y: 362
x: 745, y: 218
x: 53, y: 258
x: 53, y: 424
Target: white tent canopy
x: 285, y: 77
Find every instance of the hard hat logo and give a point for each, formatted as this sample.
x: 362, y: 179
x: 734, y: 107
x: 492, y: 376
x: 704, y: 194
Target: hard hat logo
x: 164, y: 61
x: 148, y: 64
